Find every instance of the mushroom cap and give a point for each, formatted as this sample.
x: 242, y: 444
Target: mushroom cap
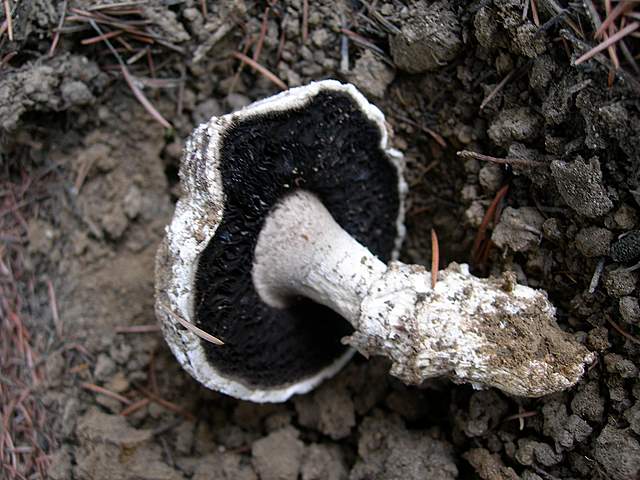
x: 324, y: 137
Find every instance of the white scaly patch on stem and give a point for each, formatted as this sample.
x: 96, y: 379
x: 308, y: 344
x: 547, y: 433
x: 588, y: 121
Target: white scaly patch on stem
x: 484, y: 331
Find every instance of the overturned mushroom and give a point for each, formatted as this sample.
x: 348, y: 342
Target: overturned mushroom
x: 291, y: 208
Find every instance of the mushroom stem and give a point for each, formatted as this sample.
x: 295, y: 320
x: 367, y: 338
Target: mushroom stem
x: 489, y: 332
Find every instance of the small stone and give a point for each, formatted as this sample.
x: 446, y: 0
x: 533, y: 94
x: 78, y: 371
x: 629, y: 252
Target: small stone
x: 620, y: 282
x: 76, y: 93
x: 491, y: 177
x: 594, y: 241
x: 371, y: 75
x: 598, y: 339
x: 552, y: 229
x: 520, y: 229
x: 329, y: 410
x: 278, y: 456
x: 489, y: 466
x: 118, y: 383
x: 625, y: 217
x: 588, y: 402
x: 629, y: 309
x: 429, y: 39
x: 324, y: 462
x: 632, y: 415
x: 580, y: 184
x: 519, y: 124
x: 626, y: 249
x: 319, y: 37
x: 60, y: 465
x: 618, y: 453
x: 206, y: 110
x: 105, y: 367
x: 236, y: 101
x: 617, y: 364
x: 529, y: 451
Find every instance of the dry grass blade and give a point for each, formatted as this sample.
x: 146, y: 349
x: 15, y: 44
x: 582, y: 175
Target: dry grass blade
x: 191, y: 327
x: 263, y: 33
x: 109, y: 6
x: 618, y: 10
x: 262, y: 70
x: 499, y: 87
x: 480, y: 249
x: 435, y: 258
x: 135, y: 406
x: 608, y: 42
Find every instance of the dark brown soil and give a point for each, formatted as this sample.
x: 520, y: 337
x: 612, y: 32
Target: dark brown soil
x: 107, y: 179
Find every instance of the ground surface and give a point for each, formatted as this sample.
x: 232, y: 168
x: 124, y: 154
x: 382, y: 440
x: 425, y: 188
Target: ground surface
x: 89, y: 179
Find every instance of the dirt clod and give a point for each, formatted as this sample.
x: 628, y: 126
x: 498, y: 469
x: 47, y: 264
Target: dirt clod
x: 278, y: 456
x: 430, y: 37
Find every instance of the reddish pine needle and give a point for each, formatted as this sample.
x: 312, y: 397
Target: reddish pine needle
x: 435, y: 258
x: 262, y: 70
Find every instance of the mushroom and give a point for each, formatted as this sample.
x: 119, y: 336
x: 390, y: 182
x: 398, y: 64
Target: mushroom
x: 276, y: 262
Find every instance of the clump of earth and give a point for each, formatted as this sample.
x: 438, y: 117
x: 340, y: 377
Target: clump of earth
x: 568, y: 223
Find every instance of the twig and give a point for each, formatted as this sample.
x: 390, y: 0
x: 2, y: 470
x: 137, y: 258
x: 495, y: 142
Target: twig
x: 435, y: 258
x: 103, y: 391
x: 100, y: 38
x: 191, y: 327
x: 468, y: 154
x: 260, y: 69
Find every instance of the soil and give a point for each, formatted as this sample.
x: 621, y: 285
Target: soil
x: 568, y: 223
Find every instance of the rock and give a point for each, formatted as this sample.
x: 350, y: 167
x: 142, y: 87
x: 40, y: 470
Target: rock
x: 278, y: 456
x: 618, y: 453
x: 205, y: 110
x: 619, y: 365
x: 105, y: 367
x: 371, y: 75
x: 629, y: 309
x: 429, y: 38
x: 519, y: 124
x: 594, y: 241
x: 588, y: 402
x: 489, y: 466
x: 60, y: 465
x: 620, y: 282
x: 329, y: 409
x: 491, y: 177
x: 564, y: 429
x: 99, y: 427
x: 388, y: 451
x: 552, y: 229
x: 486, y: 409
x: 76, y: 93
x: 520, y: 229
x: 626, y: 249
x: 625, y: 217
x: 223, y: 466
x: 110, y: 448
x: 324, y: 462
x: 632, y: 415
x: 530, y: 451
x: 580, y: 184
